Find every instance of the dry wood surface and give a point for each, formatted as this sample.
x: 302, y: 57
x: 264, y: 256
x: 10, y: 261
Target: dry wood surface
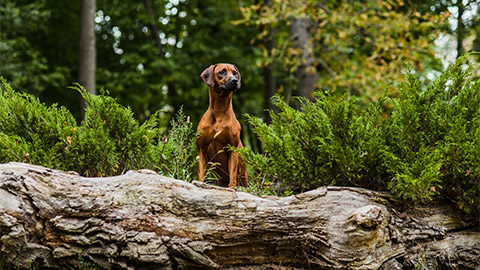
x: 141, y: 220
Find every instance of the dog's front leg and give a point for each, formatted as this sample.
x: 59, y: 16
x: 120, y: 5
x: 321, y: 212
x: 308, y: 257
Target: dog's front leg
x: 233, y: 168
x: 201, y: 165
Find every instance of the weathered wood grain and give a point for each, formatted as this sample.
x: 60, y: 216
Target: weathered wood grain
x: 141, y: 220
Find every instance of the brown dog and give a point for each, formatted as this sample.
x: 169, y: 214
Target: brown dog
x: 219, y: 128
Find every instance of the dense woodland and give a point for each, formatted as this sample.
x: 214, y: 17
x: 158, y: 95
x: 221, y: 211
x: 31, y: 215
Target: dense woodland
x: 382, y: 95
x: 378, y: 107
x: 149, y: 53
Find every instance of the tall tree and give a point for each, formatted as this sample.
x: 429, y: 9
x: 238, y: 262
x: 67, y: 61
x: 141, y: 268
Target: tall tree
x: 306, y: 73
x: 463, y: 26
x: 269, y: 69
x: 460, y: 28
x: 87, y: 49
x: 466, y: 25
x: 476, y: 30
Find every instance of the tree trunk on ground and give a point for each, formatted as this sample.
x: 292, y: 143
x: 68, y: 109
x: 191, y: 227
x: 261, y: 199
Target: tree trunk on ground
x: 306, y: 74
x: 142, y: 220
x: 87, y: 50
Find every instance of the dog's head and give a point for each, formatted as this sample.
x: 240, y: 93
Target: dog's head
x: 224, y: 76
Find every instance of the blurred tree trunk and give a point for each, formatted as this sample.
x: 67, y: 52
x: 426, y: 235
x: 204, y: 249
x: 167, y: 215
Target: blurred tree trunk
x: 154, y: 28
x: 461, y: 31
x: 306, y: 74
x: 87, y: 50
x: 268, y: 72
x: 172, y: 91
x: 476, y: 29
x: 270, y: 89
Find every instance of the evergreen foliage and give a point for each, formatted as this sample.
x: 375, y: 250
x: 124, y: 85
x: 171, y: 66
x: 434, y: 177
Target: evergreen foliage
x: 425, y: 142
x: 176, y: 151
x: 109, y: 141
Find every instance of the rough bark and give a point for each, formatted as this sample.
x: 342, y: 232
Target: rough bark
x: 87, y: 50
x: 141, y: 220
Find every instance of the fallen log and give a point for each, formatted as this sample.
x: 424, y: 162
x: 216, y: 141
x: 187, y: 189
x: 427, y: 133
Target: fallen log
x: 141, y: 220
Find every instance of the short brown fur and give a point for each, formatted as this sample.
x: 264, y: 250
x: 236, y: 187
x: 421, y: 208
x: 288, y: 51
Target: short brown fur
x: 219, y: 128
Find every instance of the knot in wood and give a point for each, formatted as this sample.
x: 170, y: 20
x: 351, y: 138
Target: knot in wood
x: 367, y: 217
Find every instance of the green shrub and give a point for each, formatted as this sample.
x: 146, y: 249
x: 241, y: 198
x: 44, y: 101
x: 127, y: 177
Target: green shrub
x: 327, y: 142
x: 175, y: 151
x: 421, y: 144
x: 32, y: 132
x: 433, y: 131
x: 109, y: 141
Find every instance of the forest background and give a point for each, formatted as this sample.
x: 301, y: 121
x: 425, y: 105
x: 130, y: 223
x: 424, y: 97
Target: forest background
x: 150, y: 53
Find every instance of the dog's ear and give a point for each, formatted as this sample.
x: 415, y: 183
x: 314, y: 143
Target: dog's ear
x: 208, y: 76
x: 239, y: 83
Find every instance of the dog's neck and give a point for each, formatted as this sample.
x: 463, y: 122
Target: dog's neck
x: 220, y: 101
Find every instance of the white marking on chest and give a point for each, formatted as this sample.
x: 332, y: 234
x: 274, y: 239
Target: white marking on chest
x: 216, y: 134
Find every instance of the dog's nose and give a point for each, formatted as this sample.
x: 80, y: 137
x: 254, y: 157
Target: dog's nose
x: 233, y: 80
x: 231, y: 84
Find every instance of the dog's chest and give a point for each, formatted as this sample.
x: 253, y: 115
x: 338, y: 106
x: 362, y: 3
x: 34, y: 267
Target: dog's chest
x: 222, y: 131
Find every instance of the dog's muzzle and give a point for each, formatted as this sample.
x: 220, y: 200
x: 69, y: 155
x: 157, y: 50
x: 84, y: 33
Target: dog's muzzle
x: 230, y: 85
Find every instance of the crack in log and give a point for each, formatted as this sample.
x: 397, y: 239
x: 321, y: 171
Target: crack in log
x: 463, y: 229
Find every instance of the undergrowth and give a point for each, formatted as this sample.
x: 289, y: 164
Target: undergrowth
x: 423, y: 144
x: 109, y: 141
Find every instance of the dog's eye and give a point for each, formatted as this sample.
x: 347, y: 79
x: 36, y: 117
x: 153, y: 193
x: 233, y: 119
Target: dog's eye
x: 235, y: 73
x: 222, y: 72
